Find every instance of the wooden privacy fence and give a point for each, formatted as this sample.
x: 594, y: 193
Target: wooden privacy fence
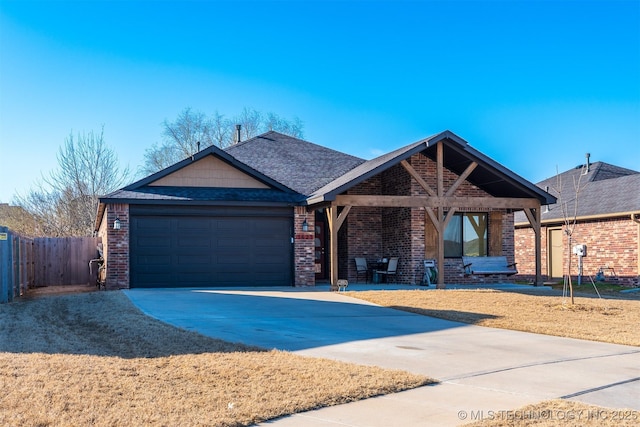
x: 43, y: 261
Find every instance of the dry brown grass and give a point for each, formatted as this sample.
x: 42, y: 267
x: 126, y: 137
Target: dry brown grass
x: 554, y: 413
x: 94, y: 359
x: 608, y: 320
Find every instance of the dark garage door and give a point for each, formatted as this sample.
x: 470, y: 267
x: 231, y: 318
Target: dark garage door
x: 193, y: 247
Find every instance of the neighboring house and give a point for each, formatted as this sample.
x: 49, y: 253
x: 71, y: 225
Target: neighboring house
x: 275, y: 210
x: 607, y: 223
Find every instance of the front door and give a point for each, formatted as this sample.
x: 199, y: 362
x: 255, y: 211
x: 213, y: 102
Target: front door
x: 555, y: 253
x: 320, y: 259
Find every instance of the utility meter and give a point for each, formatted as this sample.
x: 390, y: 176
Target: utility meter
x: 580, y: 250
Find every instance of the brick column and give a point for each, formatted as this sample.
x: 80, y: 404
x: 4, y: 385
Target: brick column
x: 117, y: 247
x: 304, y: 265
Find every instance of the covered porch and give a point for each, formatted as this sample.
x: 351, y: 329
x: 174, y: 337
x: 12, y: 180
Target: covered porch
x: 435, y: 199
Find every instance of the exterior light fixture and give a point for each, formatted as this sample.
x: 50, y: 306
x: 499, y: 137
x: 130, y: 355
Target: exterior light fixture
x: 116, y: 224
x: 305, y: 225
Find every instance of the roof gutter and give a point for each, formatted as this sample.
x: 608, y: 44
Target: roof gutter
x: 587, y: 217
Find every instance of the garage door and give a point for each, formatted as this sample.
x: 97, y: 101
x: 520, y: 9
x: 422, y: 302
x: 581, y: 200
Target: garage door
x: 208, y: 247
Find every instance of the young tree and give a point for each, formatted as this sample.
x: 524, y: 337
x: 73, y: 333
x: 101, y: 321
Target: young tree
x: 568, y: 199
x: 193, y: 130
x: 65, y: 202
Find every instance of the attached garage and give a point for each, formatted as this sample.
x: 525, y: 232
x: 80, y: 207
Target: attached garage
x: 182, y: 246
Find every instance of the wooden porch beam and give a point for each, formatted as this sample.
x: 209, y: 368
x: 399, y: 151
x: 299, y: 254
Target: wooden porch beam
x: 436, y: 202
x: 418, y: 178
x: 342, y: 216
x: 461, y: 179
x: 434, y: 219
x: 531, y: 216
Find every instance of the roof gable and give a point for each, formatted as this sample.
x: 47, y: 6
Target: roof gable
x: 209, y: 171
x: 192, y: 172
x: 489, y: 176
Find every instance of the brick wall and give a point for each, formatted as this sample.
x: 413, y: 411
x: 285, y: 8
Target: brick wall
x: 397, y: 224
x: 361, y: 233
x: 610, y: 242
x: 117, y: 247
x: 304, y: 262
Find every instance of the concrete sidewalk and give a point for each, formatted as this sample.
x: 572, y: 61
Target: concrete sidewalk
x: 480, y: 369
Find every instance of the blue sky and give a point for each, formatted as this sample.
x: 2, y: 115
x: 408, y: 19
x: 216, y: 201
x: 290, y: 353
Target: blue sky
x: 532, y: 84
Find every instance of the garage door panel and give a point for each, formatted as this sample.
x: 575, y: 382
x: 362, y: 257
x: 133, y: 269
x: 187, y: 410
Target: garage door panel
x: 153, y: 242
x: 194, y: 225
x: 238, y: 243
x: 195, y: 242
x: 189, y: 260
x: 154, y: 261
x: 200, y: 251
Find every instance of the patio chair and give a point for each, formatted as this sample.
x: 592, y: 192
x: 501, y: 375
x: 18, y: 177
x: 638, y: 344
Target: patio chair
x: 391, y: 270
x: 362, y: 268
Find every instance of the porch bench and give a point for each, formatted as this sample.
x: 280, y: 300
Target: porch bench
x: 487, y: 265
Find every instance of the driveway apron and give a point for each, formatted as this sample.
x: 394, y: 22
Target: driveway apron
x: 482, y: 371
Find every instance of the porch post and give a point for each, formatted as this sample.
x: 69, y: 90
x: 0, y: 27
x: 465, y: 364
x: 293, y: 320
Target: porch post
x: 440, y: 191
x: 332, y: 217
x: 535, y: 219
x: 538, y: 237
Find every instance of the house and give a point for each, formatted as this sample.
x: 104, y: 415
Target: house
x: 275, y: 210
x: 607, y: 222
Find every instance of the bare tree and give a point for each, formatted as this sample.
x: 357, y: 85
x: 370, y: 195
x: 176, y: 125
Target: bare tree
x: 65, y: 202
x: 568, y: 199
x: 187, y: 130
x: 193, y: 130
x: 18, y: 220
x: 159, y: 157
x: 290, y: 127
x: 222, y: 132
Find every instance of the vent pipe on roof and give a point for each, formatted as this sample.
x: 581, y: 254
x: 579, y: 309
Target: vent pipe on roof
x: 588, y: 165
x: 238, y: 137
x: 546, y: 207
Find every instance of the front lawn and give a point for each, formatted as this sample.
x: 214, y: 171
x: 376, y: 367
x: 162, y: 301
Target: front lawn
x: 608, y: 320
x: 95, y: 359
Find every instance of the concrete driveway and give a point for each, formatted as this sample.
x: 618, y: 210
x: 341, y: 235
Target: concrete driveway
x: 482, y: 371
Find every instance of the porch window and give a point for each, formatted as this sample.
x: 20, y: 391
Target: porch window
x: 466, y: 235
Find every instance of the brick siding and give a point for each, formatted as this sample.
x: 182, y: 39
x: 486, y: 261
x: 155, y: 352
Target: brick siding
x: 304, y: 270
x: 610, y: 242
x: 117, y: 247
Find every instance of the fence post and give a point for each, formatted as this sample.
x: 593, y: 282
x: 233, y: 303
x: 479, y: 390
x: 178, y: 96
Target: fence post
x: 6, y: 266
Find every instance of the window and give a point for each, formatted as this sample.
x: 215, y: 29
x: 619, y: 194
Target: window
x: 466, y: 235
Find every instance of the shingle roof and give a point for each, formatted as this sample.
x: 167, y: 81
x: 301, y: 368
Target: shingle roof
x: 598, y: 171
x: 605, y: 190
x: 300, y: 165
x: 202, y: 194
